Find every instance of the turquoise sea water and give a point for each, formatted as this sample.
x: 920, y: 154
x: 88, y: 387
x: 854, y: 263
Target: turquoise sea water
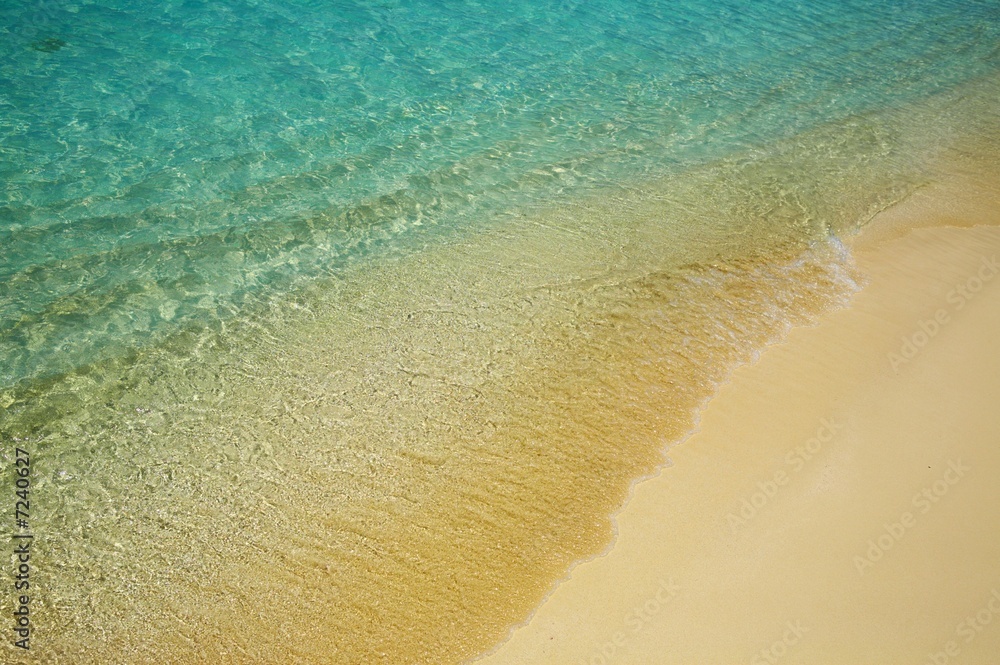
x: 167, y: 164
x: 337, y: 331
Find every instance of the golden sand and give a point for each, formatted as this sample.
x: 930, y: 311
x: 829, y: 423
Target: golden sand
x: 839, y: 503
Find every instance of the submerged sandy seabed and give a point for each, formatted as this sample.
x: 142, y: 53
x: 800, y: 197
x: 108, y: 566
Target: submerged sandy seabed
x: 396, y: 464
x: 839, y: 502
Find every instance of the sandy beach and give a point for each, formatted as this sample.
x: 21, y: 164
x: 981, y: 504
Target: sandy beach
x: 426, y: 333
x: 838, y: 502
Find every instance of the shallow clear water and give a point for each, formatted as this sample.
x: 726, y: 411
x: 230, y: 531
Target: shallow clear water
x: 173, y: 164
x: 354, y: 322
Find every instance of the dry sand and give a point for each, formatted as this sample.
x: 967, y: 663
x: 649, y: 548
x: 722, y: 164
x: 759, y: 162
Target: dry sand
x: 840, y: 502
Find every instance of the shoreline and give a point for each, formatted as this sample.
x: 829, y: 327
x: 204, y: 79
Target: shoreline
x: 807, y: 469
x: 486, y: 405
